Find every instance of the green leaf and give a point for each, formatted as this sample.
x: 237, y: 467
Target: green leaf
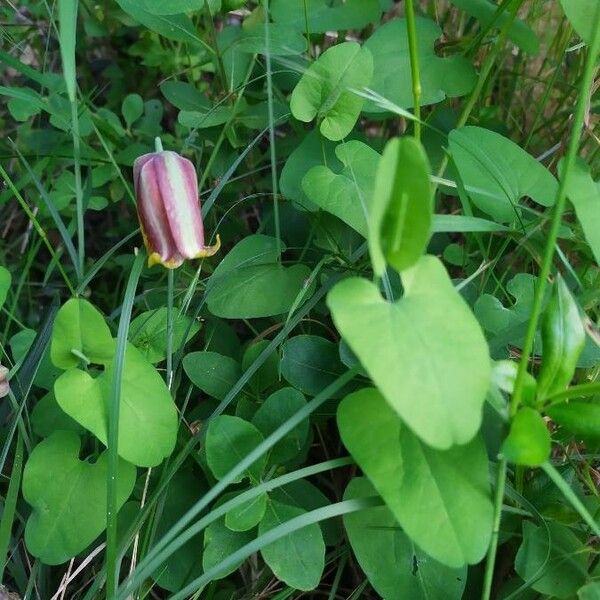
x: 5, y: 280
x: 402, y: 206
x: 396, y: 568
x: 283, y: 41
x: 178, y: 27
x: 267, y: 374
x: 528, y: 442
x: 132, y: 108
x: 235, y: 61
x: 485, y: 12
x: 563, y: 339
x: 584, y: 193
x: 249, y: 283
x: 590, y: 591
x: 220, y: 542
x: 247, y: 515
x: 68, y: 497
x: 148, y: 333
x: 497, y: 173
x: 213, y: 373
x: 47, y: 417
x: 345, y: 193
x: 46, y: 373
x: 426, y: 352
x: 148, y: 416
x: 297, y: 559
x: 80, y: 330
x: 440, y: 77
x: 310, y: 363
x: 440, y: 498
x: 464, y: 223
x: 174, y: 7
x: 323, y: 16
x: 185, y: 564
x: 582, y: 14
x: 184, y: 96
x: 325, y: 91
x: 563, y: 571
x: 67, y: 34
x: 229, y: 440
x: 580, y: 418
x: 273, y: 412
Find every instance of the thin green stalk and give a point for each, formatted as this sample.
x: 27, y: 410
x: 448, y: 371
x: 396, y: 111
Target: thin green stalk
x: 414, y: 64
x: 272, y: 131
x: 78, y: 187
x: 112, y: 576
x: 170, y: 294
x: 10, y: 505
x: 577, y: 391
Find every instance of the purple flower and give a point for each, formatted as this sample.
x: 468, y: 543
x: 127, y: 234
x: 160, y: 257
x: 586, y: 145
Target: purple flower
x: 166, y: 192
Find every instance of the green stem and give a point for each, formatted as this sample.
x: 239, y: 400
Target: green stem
x: 170, y: 294
x: 559, y: 207
x: 112, y: 576
x: 577, y: 391
x: 414, y: 64
x: 78, y: 188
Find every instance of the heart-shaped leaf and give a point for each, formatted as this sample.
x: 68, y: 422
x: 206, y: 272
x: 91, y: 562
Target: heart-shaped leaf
x: 440, y: 77
x: 326, y: 90
x: 426, y: 352
x: 68, y: 497
x: 80, y: 333
x: 395, y: 567
x: 148, y: 417
x: 497, y: 173
x: 440, y: 498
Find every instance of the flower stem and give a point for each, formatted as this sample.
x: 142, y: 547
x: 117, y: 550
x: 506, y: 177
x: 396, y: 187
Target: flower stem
x: 414, y: 64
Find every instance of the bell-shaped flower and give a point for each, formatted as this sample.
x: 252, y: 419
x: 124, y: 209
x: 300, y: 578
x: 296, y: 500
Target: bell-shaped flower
x: 166, y: 191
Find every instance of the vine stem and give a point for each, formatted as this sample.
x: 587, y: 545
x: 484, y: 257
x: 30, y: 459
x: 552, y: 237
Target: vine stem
x: 540, y: 288
x: 411, y: 29
x: 112, y: 541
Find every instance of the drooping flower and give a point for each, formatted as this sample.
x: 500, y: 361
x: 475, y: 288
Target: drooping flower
x: 166, y: 191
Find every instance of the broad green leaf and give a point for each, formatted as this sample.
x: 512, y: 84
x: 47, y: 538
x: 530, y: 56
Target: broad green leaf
x: 247, y: 515
x: 47, y: 417
x: 148, y: 333
x: 185, y: 564
x: 220, y: 542
x: 310, y: 363
x: 440, y: 77
x: 396, y: 568
x: 267, y: 374
x: 184, y: 96
x: 304, y: 494
x: 345, y: 193
x: 148, y: 416
x: 68, y: 497
x: 563, y: 339
x: 178, y: 27
x: 311, y: 152
x: 464, y: 223
x: 229, y: 440
x: 564, y: 571
x: 590, y: 591
x: 249, y: 283
x: 528, y: 442
x: 47, y: 373
x: 440, y: 498
x: 297, y: 559
x: 498, y: 173
x: 209, y: 117
x: 485, y: 12
x: 283, y: 41
x: 325, y: 91
x: 583, y: 15
x: 426, y: 352
x: 132, y: 108
x: 584, y: 193
x: 80, y: 330
x: 580, y: 418
x: 273, y: 412
x: 213, y: 373
x: 402, y: 206
x: 235, y: 61
x: 324, y: 16
x: 5, y: 280
x: 174, y: 7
